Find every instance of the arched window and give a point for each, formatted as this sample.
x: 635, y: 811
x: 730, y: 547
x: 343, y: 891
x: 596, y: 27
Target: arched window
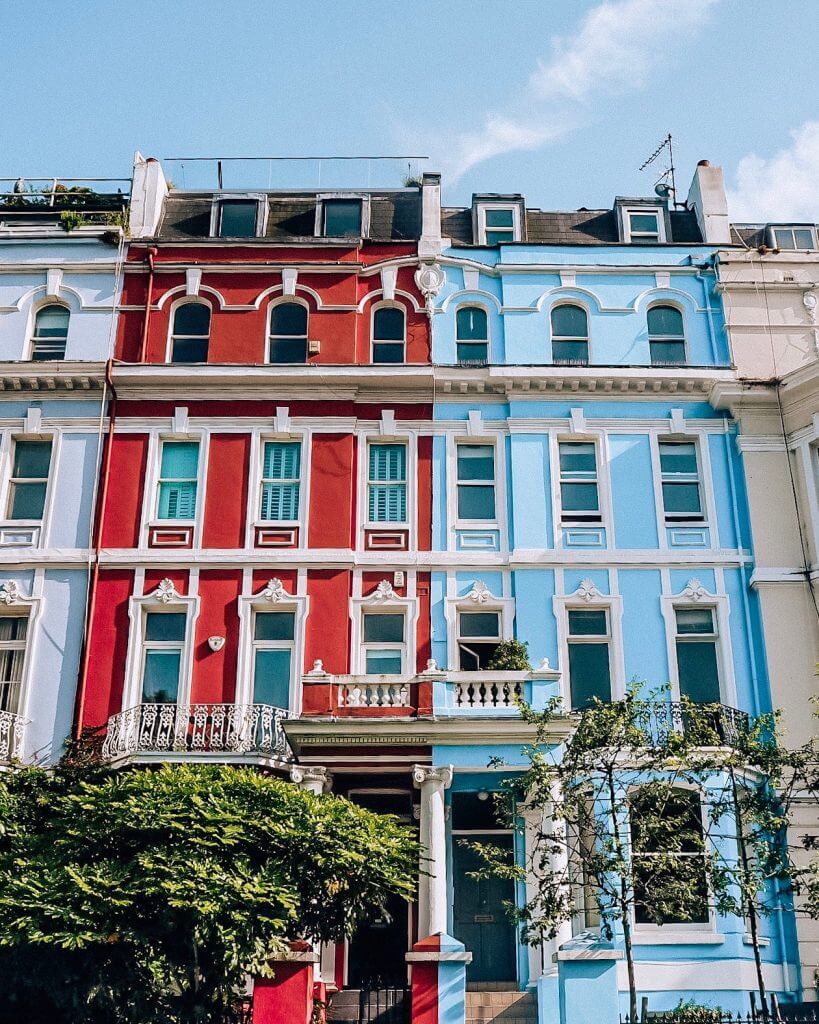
x: 668, y: 849
x: 190, y: 333
x: 288, y: 333
x: 570, y: 336
x: 666, y: 336
x: 472, y: 336
x: 389, y: 334
x: 50, y: 333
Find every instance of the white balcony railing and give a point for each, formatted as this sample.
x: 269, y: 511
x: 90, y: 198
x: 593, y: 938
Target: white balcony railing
x: 11, y: 736
x: 197, y: 729
x: 372, y: 692
x: 485, y: 690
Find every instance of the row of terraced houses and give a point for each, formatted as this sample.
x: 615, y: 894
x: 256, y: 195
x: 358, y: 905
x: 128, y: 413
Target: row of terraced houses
x: 281, y: 469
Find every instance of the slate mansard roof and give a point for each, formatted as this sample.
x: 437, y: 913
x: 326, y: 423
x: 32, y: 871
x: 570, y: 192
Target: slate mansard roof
x: 395, y: 216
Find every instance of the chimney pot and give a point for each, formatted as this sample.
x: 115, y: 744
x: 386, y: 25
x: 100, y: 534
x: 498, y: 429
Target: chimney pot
x: 704, y: 163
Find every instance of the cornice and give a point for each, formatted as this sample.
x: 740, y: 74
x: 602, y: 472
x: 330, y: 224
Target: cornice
x: 51, y: 378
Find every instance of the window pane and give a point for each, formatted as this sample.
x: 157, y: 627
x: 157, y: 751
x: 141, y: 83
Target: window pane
x: 588, y: 623
x: 678, y: 458
x: 27, y: 501
x: 784, y: 238
x: 695, y: 620
x: 575, y: 353
x: 31, y: 458
x: 390, y: 352
x: 13, y: 627
x: 682, y: 499
x: 271, y: 678
x: 577, y: 497
x: 472, y: 354
x: 282, y: 460
x: 289, y: 319
x: 294, y: 351
x: 165, y: 626
x: 191, y: 318
x: 499, y: 235
x: 52, y: 322
x: 667, y: 353
x: 190, y: 350
x: 499, y: 218
x: 388, y: 503
x: 804, y: 238
x: 644, y: 222
x: 386, y: 628
x: 388, y: 324
x: 569, y: 321
x: 578, y: 458
x: 476, y: 502
x: 180, y: 460
x: 697, y: 667
x: 589, y: 673
x: 342, y: 218
x: 388, y: 461
x: 665, y: 320
x: 177, y: 501
x: 384, y: 662
x: 273, y: 626
x: 476, y: 462
x: 160, y: 680
x: 479, y: 624
x: 471, y: 324
x: 238, y: 219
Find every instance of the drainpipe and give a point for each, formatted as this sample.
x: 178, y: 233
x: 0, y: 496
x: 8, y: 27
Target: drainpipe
x: 707, y: 265
x: 144, y: 343
x: 79, y: 704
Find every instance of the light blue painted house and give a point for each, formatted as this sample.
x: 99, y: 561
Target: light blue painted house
x: 587, y: 499
x: 58, y: 294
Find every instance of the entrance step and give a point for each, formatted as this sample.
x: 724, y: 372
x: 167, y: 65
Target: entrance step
x: 343, y: 1007
x: 500, y: 1006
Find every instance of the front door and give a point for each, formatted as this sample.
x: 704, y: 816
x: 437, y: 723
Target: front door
x: 378, y: 949
x: 481, y: 920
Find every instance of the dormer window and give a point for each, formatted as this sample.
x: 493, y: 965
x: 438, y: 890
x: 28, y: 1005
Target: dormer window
x: 643, y: 224
x: 793, y: 236
x: 237, y: 218
x: 498, y: 223
x: 341, y: 218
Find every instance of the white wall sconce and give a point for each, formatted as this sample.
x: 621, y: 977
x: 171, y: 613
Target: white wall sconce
x: 216, y: 643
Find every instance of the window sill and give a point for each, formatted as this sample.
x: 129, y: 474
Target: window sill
x: 663, y: 937
x: 747, y: 940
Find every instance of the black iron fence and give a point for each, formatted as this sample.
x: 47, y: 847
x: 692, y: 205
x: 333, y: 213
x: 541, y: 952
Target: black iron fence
x: 783, y: 1013
x: 707, y: 724
x: 381, y: 1003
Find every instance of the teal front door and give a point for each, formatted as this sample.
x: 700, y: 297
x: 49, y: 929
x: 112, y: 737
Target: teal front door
x: 481, y: 921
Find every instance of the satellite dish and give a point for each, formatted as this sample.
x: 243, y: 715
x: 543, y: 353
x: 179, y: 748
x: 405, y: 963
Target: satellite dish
x: 663, y: 189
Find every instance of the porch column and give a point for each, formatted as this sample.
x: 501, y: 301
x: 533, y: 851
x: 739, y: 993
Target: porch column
x: 559, y: 859
x: 432, y: 887
x: 314, y: 779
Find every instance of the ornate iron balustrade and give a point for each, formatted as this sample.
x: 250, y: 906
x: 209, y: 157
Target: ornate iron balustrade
x: 373, y: 692
x: 11, y: 736
x: 709, y: 724
x: 198, y: 729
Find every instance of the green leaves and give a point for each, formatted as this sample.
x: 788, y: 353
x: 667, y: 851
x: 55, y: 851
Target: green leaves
x: 176, y: 883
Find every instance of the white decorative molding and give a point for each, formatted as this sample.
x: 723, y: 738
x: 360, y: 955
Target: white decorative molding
x: 193, y: 281
x: 480, y: 593
x: 471, y: 279
x: 317, y: 669
x: 216, y: 643
x: 383, y: 592
x: 695, y: 591
x: 387, y: 424
x: 180, y: 420
x: 54, y: 282
x: 313, y: 778
x: 677, y: 421
x: 275, y: 592
x: 588, y: 591
x: 9, y: 592
x: 282, y: 420
x: 430, y: 279
x: 290, y: 276
x: 389, y: 278
x: 474, y: 423
x: 424, y: 773
x: 578, y: 421
x: 165, y: 592
x: 34, y: 419
x: 662, y: 278
x: 568, y: 279
x: 810, y: 302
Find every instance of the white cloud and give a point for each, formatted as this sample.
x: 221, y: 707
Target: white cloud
x: 616, y: 46
x: 784, y: 186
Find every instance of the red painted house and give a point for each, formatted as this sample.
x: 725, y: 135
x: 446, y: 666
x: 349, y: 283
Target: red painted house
x: 265, y: 494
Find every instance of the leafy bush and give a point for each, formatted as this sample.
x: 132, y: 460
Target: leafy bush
x: 510, y: 656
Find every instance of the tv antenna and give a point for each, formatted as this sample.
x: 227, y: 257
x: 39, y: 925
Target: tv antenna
x: 666, y: 184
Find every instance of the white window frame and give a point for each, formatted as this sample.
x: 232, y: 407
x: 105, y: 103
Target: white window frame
x: 482, y: 228
x: 383, y: 599
x: 678, y: 927
x: 163, y: 598
x: 17, y: 602
x: 587, y: 597
x: 668, y: 337
x: 409, y: 438
x: 184, y: 300
x: 479, y: 598
x: 643, y: 236
x: 587, y: 338
x: 216, y: 214
x: 38, y: 529
x: 150, y: 502
x: 253, y: 521
x: 774, y: 228
x: 362, y: 197
x: 562, y: 520
x: 403, y: 343
x: 695, y: 595
x: 704, y: 518
x: 284, y: 300
x: 477, y: 341
x: 271, y: 597
x: 488, y: 442
x: 35, y: 309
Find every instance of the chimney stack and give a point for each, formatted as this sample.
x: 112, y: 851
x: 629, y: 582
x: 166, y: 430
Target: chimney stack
x: 706, y: 197
x: 148, y: 191
x: 430, y: 243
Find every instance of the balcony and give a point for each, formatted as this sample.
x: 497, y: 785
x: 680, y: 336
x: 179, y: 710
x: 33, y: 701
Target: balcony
x: 357, y: 696
x: 12, y: 728
x: 712, y: 725
x: 205, y: 732
x: 493, y: 693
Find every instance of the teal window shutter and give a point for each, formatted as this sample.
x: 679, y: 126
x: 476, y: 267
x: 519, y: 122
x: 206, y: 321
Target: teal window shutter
x: 177, y: 480
x: 388, y: 483
x: 281, y: 469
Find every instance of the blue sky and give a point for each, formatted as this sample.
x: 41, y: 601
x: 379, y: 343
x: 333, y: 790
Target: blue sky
x: 559, y: 99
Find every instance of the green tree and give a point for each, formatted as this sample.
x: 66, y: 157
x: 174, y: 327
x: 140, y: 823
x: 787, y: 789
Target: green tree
x: 149, y: 895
